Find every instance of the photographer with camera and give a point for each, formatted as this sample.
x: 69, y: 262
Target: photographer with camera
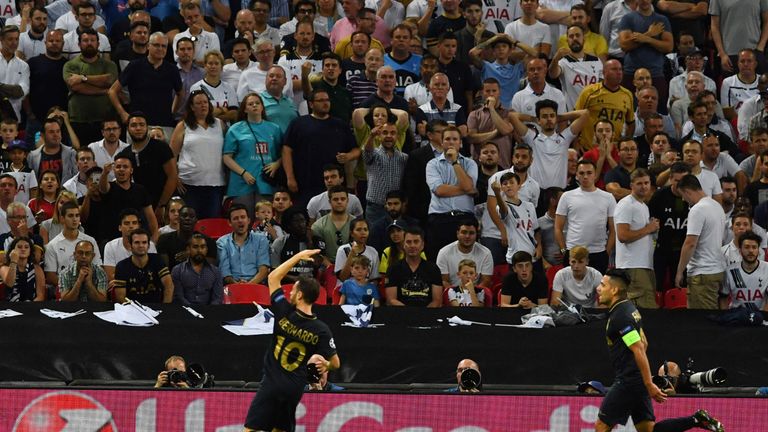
x: 468, y: 378
x: 174, y: 375
x: 671, y: 379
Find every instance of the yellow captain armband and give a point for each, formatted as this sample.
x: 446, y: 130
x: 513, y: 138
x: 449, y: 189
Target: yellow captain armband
x: 631, y: 338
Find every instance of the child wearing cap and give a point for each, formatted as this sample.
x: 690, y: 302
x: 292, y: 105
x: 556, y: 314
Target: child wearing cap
x: 355, y: 289
x: 18, y: 168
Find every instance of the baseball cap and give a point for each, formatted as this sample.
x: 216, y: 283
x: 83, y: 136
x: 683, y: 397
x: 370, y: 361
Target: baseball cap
x: 594, y: 385
x: 695, y: 51
x: 398, y: 223
x: 17, y: 144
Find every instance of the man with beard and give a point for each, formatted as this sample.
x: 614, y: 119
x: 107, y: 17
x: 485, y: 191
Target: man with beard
x: 293, y: 60
x: 494, y: 231
x: 88, y: 76
x: 488, y: 162
x: 142, y: 277
x: 744, y: 280
x: 136, y: 12
x: 482, y: 126
x: 155, y: 167
x: 120, y: 248
x: 86, y: 14
x: 122, y: 193
x: 136, y: 46
x: 173, y: 247
x: 295, y: 240
x: 158, y: 97
x: 32, y: 42
x: 196, y: 281
x: 243, y: 254
x: 575, y: 68
x: 53, y: 155
x: 355, y: 63
x: 341, y: 99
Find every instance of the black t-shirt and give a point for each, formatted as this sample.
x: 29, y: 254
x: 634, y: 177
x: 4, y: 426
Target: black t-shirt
x: 288, y: 246
x: 414, y: 288
x: 142, y: 284
x: 51, y: 162
x: 460, y: 76
x: 537, y: 289
x: 618, y: 174
x: 46, y: 86
x: 97, y: 218
x: 297, y: 337
x: 148, y: 166
x: 672, y: 213
x: 124, y: 54
x: 482, y: 186
x: 757, y: 192
x: 623, y: 329
x: 349, y: 68
x: 152, y: 90
x: 315, y: 144
x: 117, y: 200
x: 170, y: 244
x: 443, y: 24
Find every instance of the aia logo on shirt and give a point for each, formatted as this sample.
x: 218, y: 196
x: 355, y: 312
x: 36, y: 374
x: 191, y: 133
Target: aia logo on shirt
x: 525, y: 225
x: 65, y: 411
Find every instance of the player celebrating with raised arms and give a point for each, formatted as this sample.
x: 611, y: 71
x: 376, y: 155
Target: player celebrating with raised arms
x: 299, y: 338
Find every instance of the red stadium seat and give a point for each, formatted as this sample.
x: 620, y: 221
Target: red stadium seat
x: 213, y: 228
x: 676, y: 298
x: 551, y: 272
x: 499, y: 271
x: 336, y: 295
x: 238, y: 293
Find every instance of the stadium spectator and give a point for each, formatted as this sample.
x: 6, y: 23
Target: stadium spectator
x: 385, y: 90
x: 240, y: 53
x: 550, y: 251
x: 740, y: 278
x: 307, y: 10
x: 120, y: 28
x: 155, y: 166
x: 701, y: 264
x: 83, y: 280
x: 136, y: 47
x: 451, y: 178
x: 575, y: 68
x: 197, y: 142
x: 418, y: 93
x: 221, y: 95
x: 519, y: 218
x: 465, y: 293
x: 523, y: 287
x: 253, y: 79
x: 550, y: 149
x: 607, y: 100
x: 635, y: 231
x: 157, y: 97
x: 85, y: 14
x: 488, y: 165
x: 742, y: 86
x: 142, y: 277
x: 349, y: 24
x: 60, y: 251
x: 107, y: 148
x: 278, y: 106
x: 320, y: 204
x: 189, y: 72
x: 46, y: 204
x: 460, y: 78
x: 722, y: 164
x: 357, y: 288
x: 243, y: 254
x: 473, y: 32
x: 295, y: 240
x: 740, y: 223
x: 586, y: 211
x: 465, y: 247
x: 293, y: 60
x: 414, y: 281
x: 417, y: 192
x: 750, y: 107
x: 354, y: 64
x: 617, y: 180
x: 594, y: 43
x: 119, y: 249
x: 32, y: 41
x: 311, y: 142
x: 53, y: 155
x: 333, y: 229
x: 341, y: 99
x: 195, y: 280
x: 85, y: 161
x: 735, y: 25
x: 577, y: 282
x: 204, y: 40
x: 503, y: 69
x: 258, y: 25
x: 537, y: 89
x: 710, y: 121
x: 46, y: 88
x: 122, y: 193
x: 357, y: 246
x: 530, y: 30
x: 694, y: 62
x: 26, y: 179
x: 172, y: 246
x: 366, y: 20
x: 22, y: 276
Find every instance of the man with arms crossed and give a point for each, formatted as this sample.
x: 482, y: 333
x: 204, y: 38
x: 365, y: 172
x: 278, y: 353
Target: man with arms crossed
x: 633, y: 389
x: 297, y: 334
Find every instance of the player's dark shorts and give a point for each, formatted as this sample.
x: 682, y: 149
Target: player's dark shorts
x: 626, y: 398
x: 273, y: 408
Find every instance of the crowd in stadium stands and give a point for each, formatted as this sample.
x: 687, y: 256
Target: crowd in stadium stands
x: 465, y: 153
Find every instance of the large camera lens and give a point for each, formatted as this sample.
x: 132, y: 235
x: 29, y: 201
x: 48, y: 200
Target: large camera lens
x: 470, y: 379
x: 176, y: 376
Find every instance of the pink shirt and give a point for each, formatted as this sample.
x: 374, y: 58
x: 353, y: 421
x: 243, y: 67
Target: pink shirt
x: 344, y: 28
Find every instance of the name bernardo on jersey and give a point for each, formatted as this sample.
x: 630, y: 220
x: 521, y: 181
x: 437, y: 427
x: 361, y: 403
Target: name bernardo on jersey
x: 299, y: 333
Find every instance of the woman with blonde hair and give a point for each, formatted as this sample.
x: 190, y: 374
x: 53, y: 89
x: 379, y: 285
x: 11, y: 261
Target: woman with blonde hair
x: 222, y: 96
